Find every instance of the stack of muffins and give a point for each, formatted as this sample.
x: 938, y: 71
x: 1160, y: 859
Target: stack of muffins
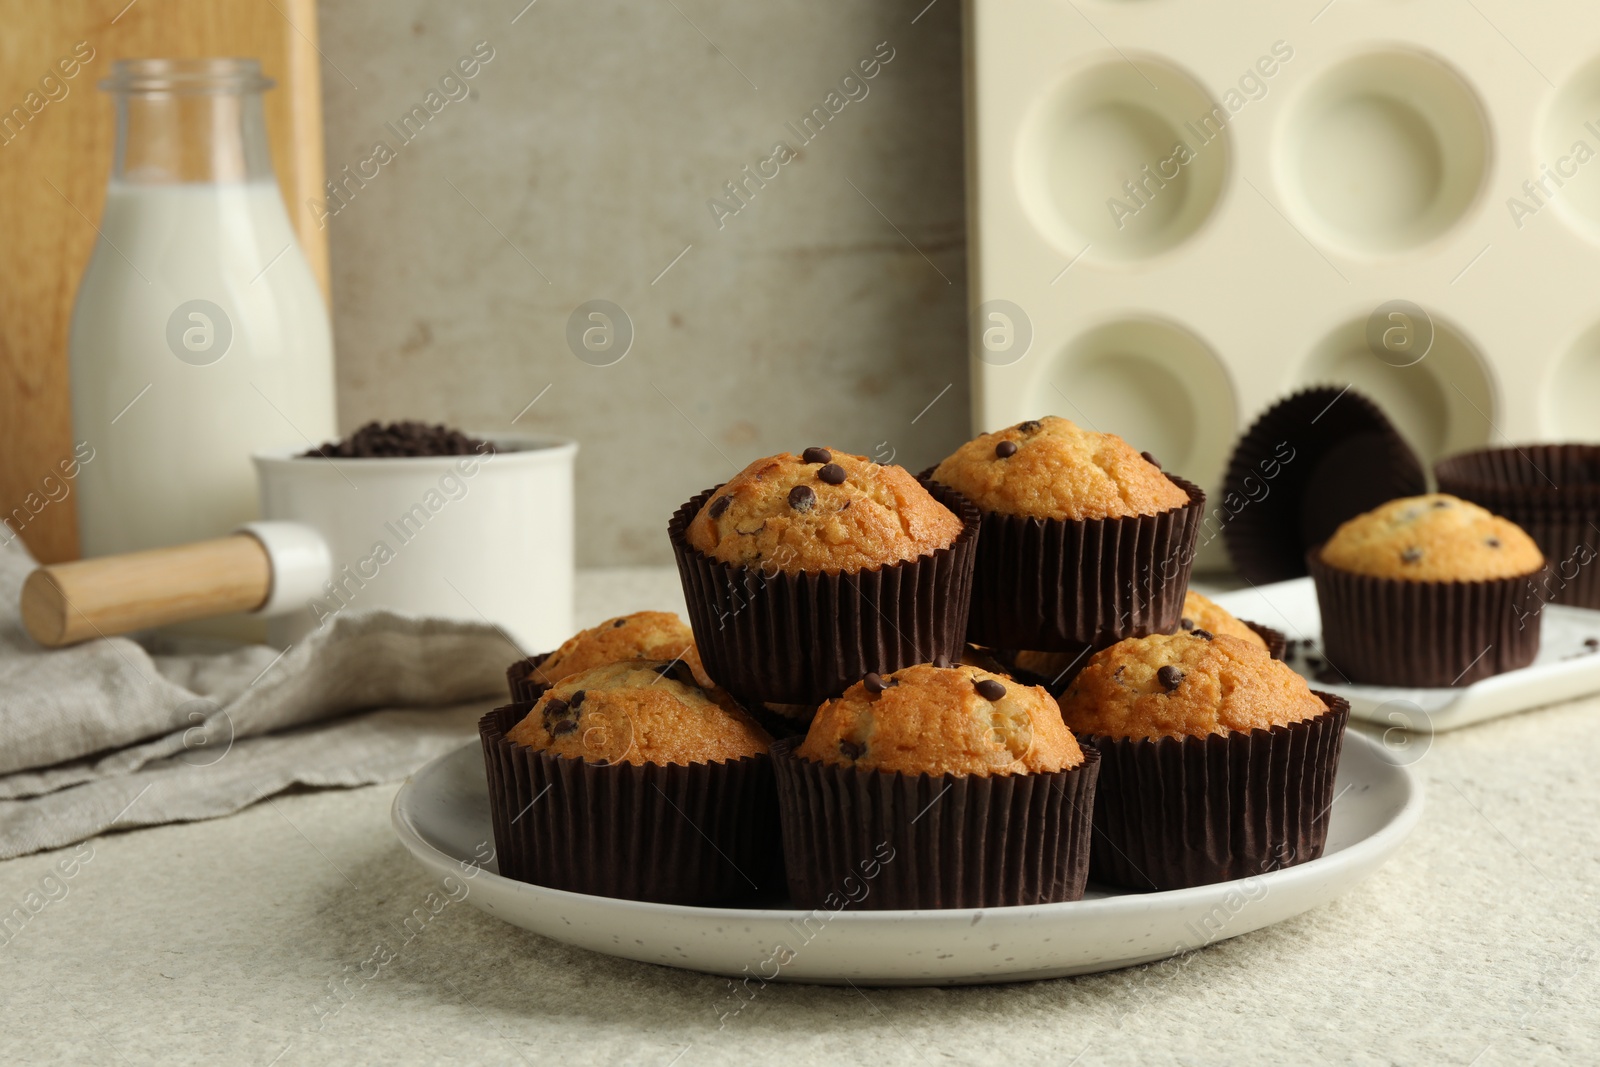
x: 864, y: 705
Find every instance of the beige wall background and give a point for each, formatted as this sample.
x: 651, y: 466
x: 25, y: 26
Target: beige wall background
x: 829, y: 310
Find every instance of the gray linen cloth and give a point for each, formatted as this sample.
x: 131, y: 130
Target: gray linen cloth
x: 113, y: 734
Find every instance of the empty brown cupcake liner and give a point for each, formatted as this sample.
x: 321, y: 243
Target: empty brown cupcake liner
x: 669, y: 833
x: 521, y: 681
x: 1178, y: 812
x: 804, y: 637
x: 882, y: 840
x: 1390, y: 631
x: 1310, y: 462
x: 1552, y: 492
x: 1058, y: 585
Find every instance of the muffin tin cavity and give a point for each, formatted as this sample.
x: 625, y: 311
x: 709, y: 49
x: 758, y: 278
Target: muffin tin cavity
x: 1442, y: 404
x: 1151, y: 382
x: 1382, y: 153
x: 1123, y: 159
x: 1572, y: 391
x: 1569, y: 156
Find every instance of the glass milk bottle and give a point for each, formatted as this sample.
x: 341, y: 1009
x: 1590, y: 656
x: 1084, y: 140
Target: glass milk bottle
x: 199, y: 335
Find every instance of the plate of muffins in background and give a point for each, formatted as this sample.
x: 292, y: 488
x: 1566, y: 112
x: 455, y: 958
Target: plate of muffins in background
x: 1426, y: 611
x: 967, y: 726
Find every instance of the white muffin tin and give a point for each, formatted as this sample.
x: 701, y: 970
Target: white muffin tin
x: 1359, y: 153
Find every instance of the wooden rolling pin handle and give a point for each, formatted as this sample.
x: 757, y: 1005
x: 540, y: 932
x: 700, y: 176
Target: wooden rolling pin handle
x: 66, y: 603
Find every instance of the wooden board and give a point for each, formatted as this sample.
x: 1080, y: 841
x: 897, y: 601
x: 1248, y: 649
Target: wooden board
x: 53, y: 171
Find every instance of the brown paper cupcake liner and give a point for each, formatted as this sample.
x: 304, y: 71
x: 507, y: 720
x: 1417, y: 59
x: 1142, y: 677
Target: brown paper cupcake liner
x: 884, y: 840
x: 668, y: 833
x: 1552, y: 492
x: 1277, y: 641
x: 783, y: 720
x: 1389, y: 631
x: 802, y: 638
x: 1178, y: 812
x: 1057, y: 585
x: 1306, y: 465
x: 521, y: 681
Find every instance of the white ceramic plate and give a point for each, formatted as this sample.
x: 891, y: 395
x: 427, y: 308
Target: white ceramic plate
x: 1564, y: 668
x: 442, y: 816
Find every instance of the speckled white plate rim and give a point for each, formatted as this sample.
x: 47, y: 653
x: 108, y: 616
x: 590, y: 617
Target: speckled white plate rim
x: 1377, y: 804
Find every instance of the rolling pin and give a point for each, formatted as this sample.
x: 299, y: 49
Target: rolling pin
x: 264, y: 568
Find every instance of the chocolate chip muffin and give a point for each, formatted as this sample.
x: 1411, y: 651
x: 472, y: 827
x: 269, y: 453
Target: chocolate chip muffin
x: 1217, y: 761
x: 1433, y: 538
x: 1428, y: 591
x: 805, y: 572
x: 932, y: 720
x: 1055, y: 670
x: 936, y: 787
x: 639, y: 711
x: 1085, y: 540
x: 1051, y: 468
x: 654, y: 635
x: 632, y: 780
x: 1189, y: 684
x: 822, y: 510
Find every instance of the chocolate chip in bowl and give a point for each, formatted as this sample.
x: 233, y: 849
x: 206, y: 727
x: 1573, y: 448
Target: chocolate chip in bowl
x: 406, y: 439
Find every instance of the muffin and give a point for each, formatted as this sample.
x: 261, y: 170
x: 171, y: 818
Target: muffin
x: 1055, y: 670
x: 1428, y: 591
x: 654, y: 635
x: 936, y: 787
x: 1552, y: 492
x: 805, y: 572
x: 1084, y: 539
x: 632, y: 780
x: 1217, y: 761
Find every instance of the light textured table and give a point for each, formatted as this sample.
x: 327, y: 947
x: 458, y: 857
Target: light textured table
x: 224, y: 941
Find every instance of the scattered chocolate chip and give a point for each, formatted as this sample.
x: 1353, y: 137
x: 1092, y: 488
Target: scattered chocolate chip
x: 874, y: 682
x: 619, y: 622
x: 555, y: 708
x: 989, y: 689
x: 562, y: 727
x: 720, y: 505
x: 802, y: 498
x: 816, y: 455
x: 832, y: 473
x: 1313, y: 663
x: 1186, y: 623
x: 941, y: 661
x: 1148, y: 458
x: 851, y: 750
x: 1411, y: 555
x: 1591, y: 643
x: 1170, y: 677
x: 1031, y: 426
x: 1197, y: 632
x: 576, y: 699
x: 1005, y: 449
x: 1492, y: 542
x: 1441, y: 503
x: 1117, y: 674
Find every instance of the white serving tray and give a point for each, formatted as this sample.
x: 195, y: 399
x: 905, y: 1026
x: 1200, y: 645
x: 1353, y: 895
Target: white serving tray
x: 1565, y: 668
x: 441, y: 814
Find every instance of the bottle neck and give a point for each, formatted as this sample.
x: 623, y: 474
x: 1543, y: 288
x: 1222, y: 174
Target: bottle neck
x: 170, y: 137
